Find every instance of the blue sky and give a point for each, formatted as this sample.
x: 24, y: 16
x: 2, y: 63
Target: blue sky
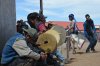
x: 58, y: 10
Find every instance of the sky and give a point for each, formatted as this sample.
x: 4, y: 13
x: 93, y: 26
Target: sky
x: 58, y: 10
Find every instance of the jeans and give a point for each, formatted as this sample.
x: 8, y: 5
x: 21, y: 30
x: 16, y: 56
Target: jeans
x: 93, y: 41
x: 59, y: 55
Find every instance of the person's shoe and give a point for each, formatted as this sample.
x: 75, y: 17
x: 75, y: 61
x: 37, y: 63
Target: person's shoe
x: 93, y: 50
x: 87, y: 51
x: 62, y: 64
x: 66, y: 61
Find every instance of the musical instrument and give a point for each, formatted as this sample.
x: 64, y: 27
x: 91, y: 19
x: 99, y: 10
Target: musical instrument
x: 62, y: 33
x: 48, y: 41
x: 51, y: 39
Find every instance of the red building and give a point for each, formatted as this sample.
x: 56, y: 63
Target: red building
x: 65, y: 24
x: 79, y: 25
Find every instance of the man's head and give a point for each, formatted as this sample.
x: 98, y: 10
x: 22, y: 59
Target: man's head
x: 32, y: 18
x: 20, y: 25
x: 19, y: 22
x: 87, y: 16
x: 71, y: 17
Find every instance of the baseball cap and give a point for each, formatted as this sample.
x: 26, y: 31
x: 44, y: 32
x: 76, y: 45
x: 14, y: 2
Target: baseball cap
x: 30, y: 31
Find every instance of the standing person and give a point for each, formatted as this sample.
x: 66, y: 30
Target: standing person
x: 37, y: 22
x: 74, y: 33
x: 17, y: 50
x: 90, y: 33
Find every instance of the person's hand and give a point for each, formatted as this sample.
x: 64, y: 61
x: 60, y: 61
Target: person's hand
x: 43, y: 56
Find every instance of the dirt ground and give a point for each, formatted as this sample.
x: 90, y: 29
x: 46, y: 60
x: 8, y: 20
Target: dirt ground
x: 85, y: 59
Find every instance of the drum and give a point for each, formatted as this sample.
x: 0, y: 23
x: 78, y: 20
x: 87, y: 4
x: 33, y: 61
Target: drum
x: 48, y: 41
x: 62, y: 33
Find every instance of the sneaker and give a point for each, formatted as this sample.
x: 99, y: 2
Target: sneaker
x: 87, y: 51
x: 93, y: 50
x: 66, y: 61
x: 62, y: 64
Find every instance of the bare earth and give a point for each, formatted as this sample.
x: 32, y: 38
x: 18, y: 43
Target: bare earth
x: 85, y: 59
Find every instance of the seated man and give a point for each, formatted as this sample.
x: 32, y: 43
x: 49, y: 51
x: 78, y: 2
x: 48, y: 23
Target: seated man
x: 17, y: 51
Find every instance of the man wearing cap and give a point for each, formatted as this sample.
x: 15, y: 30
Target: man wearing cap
x: 17, y: 51
x: 90, y: 33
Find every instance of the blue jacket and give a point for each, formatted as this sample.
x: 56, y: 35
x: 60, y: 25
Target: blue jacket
x: 8, y: 53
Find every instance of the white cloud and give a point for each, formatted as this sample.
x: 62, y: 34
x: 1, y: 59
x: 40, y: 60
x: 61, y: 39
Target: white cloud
x: 30, y: 10
x: 21, y: 17
x: 60, y: 9
x: 61, y: 3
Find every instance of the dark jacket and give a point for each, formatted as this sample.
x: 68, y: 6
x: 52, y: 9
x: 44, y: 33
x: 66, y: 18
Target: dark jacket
x: 89, y: 28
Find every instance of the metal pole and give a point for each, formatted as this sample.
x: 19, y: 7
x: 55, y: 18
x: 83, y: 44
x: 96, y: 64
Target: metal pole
x: 41, y: 7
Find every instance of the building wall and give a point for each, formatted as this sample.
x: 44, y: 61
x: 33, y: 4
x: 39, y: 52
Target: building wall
x: 7, y: 21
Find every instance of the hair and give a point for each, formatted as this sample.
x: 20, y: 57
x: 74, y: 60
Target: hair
x: 87, y: 15
x: 21, y: 26
x: 37, y: 16
x: 71, y: 15
x: 32, y: 16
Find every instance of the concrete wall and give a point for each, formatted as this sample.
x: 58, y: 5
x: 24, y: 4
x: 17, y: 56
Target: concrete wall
x: 7, y: 21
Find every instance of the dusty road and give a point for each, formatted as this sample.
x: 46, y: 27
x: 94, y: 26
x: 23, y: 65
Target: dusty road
x: 85, y: 59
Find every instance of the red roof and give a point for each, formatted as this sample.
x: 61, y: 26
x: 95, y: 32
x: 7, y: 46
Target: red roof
x: 65, y: 24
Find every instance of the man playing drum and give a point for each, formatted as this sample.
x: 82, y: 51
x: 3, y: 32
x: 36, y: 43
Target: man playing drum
x: 35, y: 21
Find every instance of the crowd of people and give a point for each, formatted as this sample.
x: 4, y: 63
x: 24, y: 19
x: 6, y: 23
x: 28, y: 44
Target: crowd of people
x: 22, y: 49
